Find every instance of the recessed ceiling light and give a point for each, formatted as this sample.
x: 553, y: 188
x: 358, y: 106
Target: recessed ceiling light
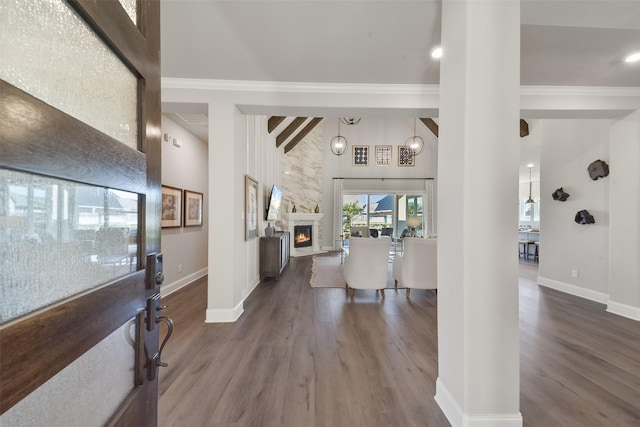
x: 634, y: 57
x: 436, y: 53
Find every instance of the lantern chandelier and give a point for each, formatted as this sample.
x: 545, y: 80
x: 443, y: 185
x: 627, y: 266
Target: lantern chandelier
x: 339, y: 143
x: 415, y: 143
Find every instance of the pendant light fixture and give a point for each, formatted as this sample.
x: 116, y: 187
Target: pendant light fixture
x: 338, y: 143
x: 529, y: 200
x: 415, y: 144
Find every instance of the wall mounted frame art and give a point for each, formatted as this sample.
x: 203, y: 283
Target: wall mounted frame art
x: 383, y: 155
x: 250, y: 208
x: 406, y: 156
x: 171, y: 207
x: 360, y: 155
x: 192, y: 208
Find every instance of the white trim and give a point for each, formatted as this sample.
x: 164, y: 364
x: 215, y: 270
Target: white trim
x: 448, y: 404
x: 245, y: 293
x: 493, y: 420
x: 297, y: 87
x: 579, y: 91
x: 225, y: 315
x: 381, y: 89
x: 578, y: 291
x: 458, y: 418
x: 624, y: 310
x: 167, y: 289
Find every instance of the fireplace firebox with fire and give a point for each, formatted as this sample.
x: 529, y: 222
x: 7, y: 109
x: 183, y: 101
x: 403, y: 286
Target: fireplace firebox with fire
x: 302, y: 236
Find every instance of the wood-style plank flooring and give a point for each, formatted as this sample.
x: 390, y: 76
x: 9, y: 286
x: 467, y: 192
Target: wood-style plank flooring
x: 304, y: 357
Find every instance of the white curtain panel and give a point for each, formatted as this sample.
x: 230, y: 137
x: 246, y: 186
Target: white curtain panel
x: 337, y: 211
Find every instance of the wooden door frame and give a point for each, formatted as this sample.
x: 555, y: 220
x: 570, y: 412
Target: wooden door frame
x: 64, y: 332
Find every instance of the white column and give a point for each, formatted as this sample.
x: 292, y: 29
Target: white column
x: 478, y: 336
x: 226, y: 201
x: 624, y: 210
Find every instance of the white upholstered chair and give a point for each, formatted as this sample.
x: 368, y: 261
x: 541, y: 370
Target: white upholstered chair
x: 416, y: 267
x: 365, y: 266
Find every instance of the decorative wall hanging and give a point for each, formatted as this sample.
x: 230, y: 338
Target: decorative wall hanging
x: 250, y: 208
x: 171, y: 207
x: 360, y: 155
x: 560, y: 195
x: 192, y: 208
x: 383, y: 155
x: 598, y: 169
x: 406, y: 156
x: 584, y: 217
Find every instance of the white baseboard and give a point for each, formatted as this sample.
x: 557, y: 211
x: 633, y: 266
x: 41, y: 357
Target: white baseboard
x: 578, y: 291
x: 246, y: 293
x: 448, y: 404
x: 624, y: 310
x: 224, y: 315
x: 458, y: 418
x: 178, y: 284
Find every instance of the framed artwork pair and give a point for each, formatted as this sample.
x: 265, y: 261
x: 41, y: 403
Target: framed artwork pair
x: 181, y: 208
x: 383, y: 156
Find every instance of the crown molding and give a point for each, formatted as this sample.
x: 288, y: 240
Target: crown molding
x: 374, y: 88
x: 579, y: 91
x: 298, y: 87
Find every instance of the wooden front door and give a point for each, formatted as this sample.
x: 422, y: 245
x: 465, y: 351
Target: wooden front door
x: 80, y: 269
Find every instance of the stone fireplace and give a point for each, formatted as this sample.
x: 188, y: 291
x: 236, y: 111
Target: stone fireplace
x: 297, y: 223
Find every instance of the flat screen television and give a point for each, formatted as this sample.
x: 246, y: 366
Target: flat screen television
x: 273, y: 208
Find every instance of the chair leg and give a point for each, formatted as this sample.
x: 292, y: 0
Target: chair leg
x: 395, y: 284
x: 382, y: 292
x: 408, y: 292
x: 352, y: 292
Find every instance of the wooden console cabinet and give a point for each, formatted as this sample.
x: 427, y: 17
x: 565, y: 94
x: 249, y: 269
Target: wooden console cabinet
x: 274, y: 254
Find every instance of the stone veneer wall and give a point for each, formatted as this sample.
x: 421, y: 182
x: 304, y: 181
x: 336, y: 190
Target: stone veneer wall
x: 302, y: 185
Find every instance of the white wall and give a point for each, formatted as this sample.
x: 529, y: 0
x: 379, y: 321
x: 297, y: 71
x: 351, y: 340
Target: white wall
x: 372, y: 132
x: 185, y: 168
x: 567, y: 149
x: 624, y: 201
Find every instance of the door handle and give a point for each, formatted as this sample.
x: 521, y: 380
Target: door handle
x: 157, y: 358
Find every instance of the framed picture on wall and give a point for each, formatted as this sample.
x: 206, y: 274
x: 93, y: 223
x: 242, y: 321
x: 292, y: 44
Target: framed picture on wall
x: 406, y: 156
x: 250, y: 208
x: 171, y: 207
x: 192, y: 208
x: 360, y: 155
x: 383, y: 155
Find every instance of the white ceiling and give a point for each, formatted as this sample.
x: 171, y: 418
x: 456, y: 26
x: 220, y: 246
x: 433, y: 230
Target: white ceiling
x: 570, y: 42
x: 566, y: 43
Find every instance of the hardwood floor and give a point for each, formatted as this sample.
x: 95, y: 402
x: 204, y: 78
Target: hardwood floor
x: 304, y: 357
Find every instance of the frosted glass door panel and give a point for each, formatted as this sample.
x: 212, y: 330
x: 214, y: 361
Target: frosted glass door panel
x: 69, y: 399
x: 59, y: 238
x: 130, y: 7
x: 49, y: 52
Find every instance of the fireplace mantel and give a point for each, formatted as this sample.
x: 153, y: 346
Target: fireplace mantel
x: 304, y: 218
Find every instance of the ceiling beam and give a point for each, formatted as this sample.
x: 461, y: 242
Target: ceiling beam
x: 273, y: 122
x: 286, y: 133
x: 433, y: 126
x: 305, y: 130
x: 524, y: 128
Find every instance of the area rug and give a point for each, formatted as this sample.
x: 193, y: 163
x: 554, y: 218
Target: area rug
x: 326, y: 272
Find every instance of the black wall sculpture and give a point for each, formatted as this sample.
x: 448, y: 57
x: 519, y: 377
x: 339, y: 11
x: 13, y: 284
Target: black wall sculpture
x: 560, y: 195
x: 584, y: 217
x: 598, y: 169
